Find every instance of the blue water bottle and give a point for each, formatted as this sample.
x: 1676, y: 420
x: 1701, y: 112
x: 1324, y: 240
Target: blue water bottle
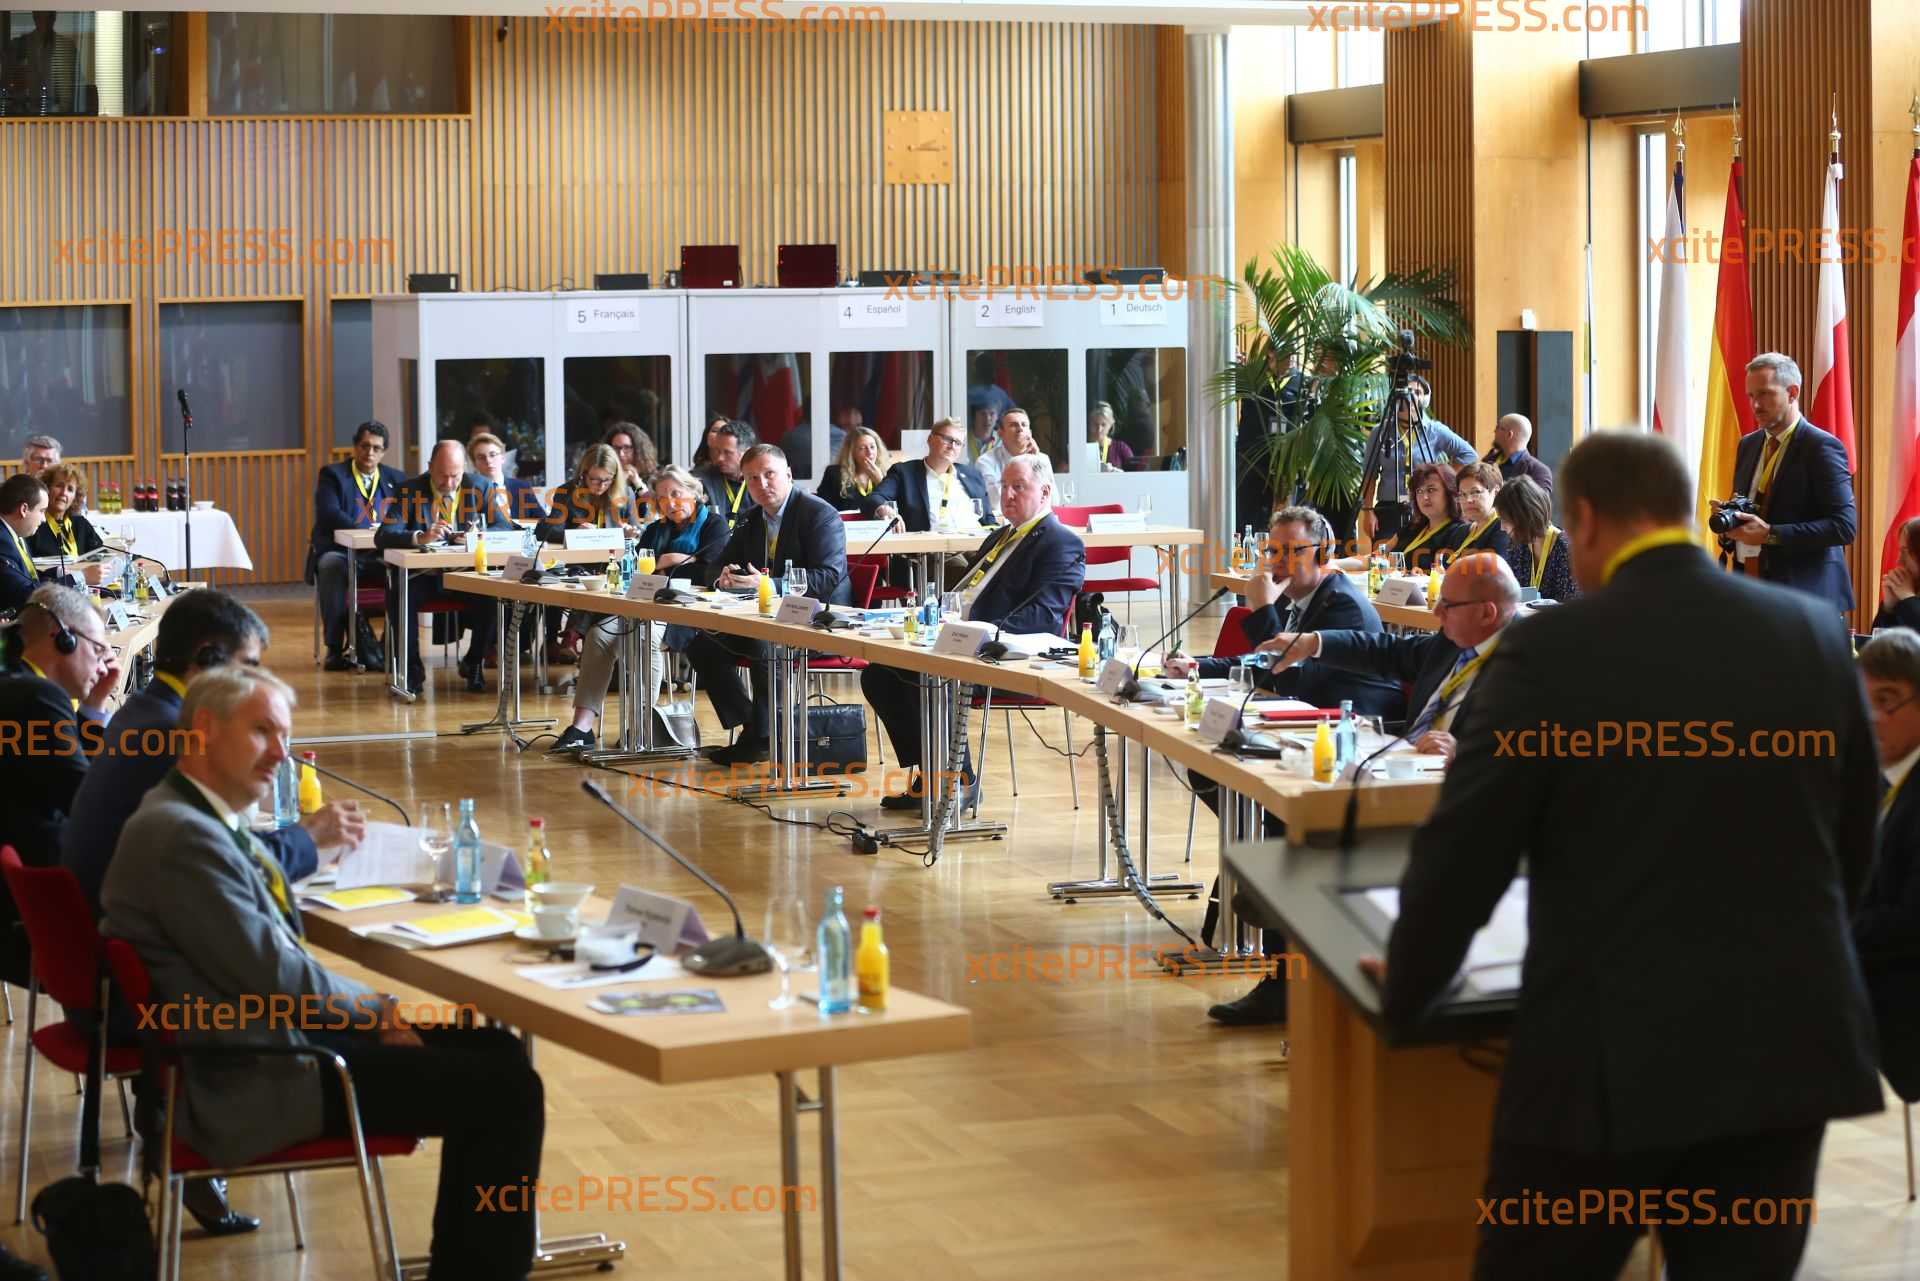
x: 466, y: 856
x: 1346, y: 738
x: 834, y: 948
x: 286, y: 793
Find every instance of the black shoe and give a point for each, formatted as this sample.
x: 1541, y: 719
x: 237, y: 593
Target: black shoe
x: 206, y: 1201
x: 336, y: 662
x: 14, y: 1268
x: 573, y: 740
x: 745, y: 751
x: 907, y: 800
x: 416, y: 681
x: 476, y: 680
x: 1266, y: 1004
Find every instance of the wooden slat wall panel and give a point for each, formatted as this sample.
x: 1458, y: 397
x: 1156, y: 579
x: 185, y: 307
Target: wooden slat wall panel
x: 1430, y: 185
x: 606, y: 151
x: 585, y: 153
x: 1798, y: 54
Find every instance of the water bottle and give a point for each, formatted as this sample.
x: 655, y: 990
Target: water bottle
x: 466, y: 856
x: 1346, y: 738
x: 833, y: 946
x: 286, y: 793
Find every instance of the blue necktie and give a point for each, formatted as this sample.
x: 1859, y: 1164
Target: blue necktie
x: 1435, y: 705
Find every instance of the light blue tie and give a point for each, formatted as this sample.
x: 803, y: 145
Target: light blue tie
x: 1431, y: 712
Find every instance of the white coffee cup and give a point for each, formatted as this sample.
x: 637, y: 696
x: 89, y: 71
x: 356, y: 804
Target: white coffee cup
x: 554, y: 922
x: 1400, y: 765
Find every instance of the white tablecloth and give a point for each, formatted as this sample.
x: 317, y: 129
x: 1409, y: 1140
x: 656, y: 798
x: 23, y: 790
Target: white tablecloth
x: 163, y: 536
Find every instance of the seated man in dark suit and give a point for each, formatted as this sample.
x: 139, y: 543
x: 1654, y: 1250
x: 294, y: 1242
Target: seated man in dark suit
x: 431, y: 508
x: 1681, y: 912
x: 1798, y: 478
x: 1886, y: 925
x: 787, y: 526
x: 200, y: 631
x: 53, y: 701
x: 935, y: 492
x: 214, y: 921
x: 727, y: 445
x: 1022, y: 580
x: 1318, y: 598
x: 23, y: 509
x: 348, y: 495
x: 1478, y: 598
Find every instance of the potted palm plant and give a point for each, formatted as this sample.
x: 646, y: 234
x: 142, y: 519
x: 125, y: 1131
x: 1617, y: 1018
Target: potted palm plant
x: 1311, y: 374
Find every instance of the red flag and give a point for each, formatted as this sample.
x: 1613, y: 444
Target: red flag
x: 1729, y: 413
x: 1832, y: 374
x: 1903, y: 473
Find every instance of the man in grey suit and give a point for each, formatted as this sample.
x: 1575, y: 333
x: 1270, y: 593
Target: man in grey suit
x: 213, y: 918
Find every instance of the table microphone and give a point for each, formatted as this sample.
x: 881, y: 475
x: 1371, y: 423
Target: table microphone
x: 996, y: 650
x: 361, y: 787
x: 1236, y: 739
x: 826, y: 620
x: 1130, y: 691
x: 717, y: 957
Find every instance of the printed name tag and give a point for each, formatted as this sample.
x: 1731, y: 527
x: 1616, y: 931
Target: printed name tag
x: 1114, y: 676
x: 1401, y: 591
x: 1221, y: 717
x: 1116, y: 522
x: 516, y: 567
x: 596, y: 540
x: 798, y: 610
x: 961, y: 640
x: 644, y: 586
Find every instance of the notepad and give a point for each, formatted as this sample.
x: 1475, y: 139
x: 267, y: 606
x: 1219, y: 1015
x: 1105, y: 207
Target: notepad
x: 448, y: 929
x: 360, y: 899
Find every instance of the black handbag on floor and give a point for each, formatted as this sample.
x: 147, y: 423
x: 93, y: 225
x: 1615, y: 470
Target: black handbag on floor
x: 836, y: 735
x: 95, y: 1231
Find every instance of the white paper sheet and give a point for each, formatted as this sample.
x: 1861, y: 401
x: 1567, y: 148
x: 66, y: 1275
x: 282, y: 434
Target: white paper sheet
x: 1498, y: 948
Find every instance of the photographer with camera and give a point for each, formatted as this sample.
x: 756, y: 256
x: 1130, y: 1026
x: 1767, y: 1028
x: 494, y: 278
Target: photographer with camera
x: 1791, y: 511
x: 1404, y: 437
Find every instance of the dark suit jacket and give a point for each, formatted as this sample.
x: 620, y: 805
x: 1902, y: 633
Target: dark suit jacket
x: 710, y: 542
x: 1034, y: 590
x: 1904, y: 613
x: 1495, y: 540
x: 1420, y: 559
x: 1423, y: 661
x: 16, y: 584
x: 412, y: 510
x: 1337, y: 606
x: 44, y: 764
x: 117, y: 780
x: 523, y: 499
x: 1810, y: 509
x: 1523, y: 463
x: 47, y: 543
x: 338, y: 504
x: 717, y: 498
x: 812, y: 536
x: 1684, y: 908
x: 1886, y: 935
x: 904, y: 488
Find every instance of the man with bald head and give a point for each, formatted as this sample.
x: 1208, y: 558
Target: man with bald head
x: 435, y: 507
x: 1478, y: 599
x: 1511, y: 436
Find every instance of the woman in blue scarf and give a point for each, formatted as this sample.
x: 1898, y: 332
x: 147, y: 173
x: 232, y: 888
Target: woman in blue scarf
x: 688, y: 537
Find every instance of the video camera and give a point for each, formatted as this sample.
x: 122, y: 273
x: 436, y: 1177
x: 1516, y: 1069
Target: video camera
x: 1404, y: 364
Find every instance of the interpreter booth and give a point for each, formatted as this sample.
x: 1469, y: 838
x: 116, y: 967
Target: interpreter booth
x: 802, y: 365
x: 548, y: 373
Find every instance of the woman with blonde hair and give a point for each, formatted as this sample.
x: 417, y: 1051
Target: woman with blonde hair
x: 861, y: 464
x: 597, y: 497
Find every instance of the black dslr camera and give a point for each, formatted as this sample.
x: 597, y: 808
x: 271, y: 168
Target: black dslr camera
x: 1727, y: 519
x: 1403, y: 364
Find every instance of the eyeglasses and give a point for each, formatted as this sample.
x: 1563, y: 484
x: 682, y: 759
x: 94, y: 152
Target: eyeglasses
x: 1888, y: 709
x: 1474, y: 493
x: 1430, y: 491
x: 951, y: 442
x: 1441, y: 607
x: 100, y: 648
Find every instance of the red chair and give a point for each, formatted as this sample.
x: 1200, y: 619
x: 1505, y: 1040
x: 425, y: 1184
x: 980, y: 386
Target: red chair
x: 179, y: 1162
x: 1127, y: 583
x: 67, y: 966
x: 882, y: 592
x: 987, y: 698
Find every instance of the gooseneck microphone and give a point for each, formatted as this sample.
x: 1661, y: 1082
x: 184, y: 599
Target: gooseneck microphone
x: 1237, y: 739
x: 996, y: 650
x: 1131, y: 689
x: 719, y: 957
x: 186, y: 470
x: 825, y: 619
x: 362, y: 787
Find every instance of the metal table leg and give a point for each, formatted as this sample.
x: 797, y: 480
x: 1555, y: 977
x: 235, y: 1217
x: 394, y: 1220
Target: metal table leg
x: 349, y: 648
x: 788, y: 745
x: 793, y: 1102
x: 506, y: 716
x: 400, y: 647
x: 1232, y: 954
x: 939, y: 773
x: 1128, y: 881
x: 639, y: 685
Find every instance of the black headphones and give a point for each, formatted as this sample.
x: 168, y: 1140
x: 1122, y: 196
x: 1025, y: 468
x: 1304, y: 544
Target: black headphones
x: 1322, y: 529
x: 64, y: 641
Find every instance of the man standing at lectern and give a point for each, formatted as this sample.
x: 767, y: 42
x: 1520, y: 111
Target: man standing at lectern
x: 1692, y: 1012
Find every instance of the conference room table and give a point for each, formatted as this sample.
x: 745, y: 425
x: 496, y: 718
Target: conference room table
x: 1284, y: 788
x: 142, y: 629
x: 1408, y: 618
x: 746, y: 1039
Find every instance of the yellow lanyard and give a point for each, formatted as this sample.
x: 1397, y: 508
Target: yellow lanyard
x: 1012, y: 540
x: 63, y: 530
x: 1666, y: 536
x: 946, y: 488
x: 1764, y: 483
x: 864, y: 486
x: 367, y: 485
x: 1425, y: 534
x: 733, y: 500
x: 1546, y: 550
x: 1470, y: 538
x: 773, y: 544
x: 172, y: 682
x: 1886, y: 802
x: 1105, y: 446
x: 1465, y: 674
x: 26, y: 557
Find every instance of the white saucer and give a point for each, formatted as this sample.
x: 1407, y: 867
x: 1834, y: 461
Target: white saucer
x: 531, y: 934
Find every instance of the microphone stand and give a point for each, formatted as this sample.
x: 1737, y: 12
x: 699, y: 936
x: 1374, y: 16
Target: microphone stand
x: 826, y: 620
x: 186, y: 464
x: 1130, y: 691
x: 720, y: 957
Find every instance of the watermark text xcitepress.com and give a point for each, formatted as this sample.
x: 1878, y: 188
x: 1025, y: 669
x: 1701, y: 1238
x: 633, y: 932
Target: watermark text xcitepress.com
x: 1526, y: 16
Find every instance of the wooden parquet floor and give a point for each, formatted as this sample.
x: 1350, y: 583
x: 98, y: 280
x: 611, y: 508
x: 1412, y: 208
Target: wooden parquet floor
x: 1098, y: 1129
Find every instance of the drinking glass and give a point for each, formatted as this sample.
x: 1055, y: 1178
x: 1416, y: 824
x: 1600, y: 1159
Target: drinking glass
x: 436, y: 840
x: 788, y: 937
x: 1066, y: 489
x: 950, y: 605
x: 1146, y: 507
x: 1240, y: 681
x: 1126, y: 646
x: 1397, y: 562
x: 796, y: 580
x: 979, y: 512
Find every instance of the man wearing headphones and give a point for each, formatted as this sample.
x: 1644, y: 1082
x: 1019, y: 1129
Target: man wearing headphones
x: 53, y: 702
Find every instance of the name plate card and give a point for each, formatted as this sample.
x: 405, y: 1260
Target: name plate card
x: 797, y: 610
x: 1114, y: 676
x: 1221, y: 718
x: 504, y: 541
x: 1116, y: 522
x: 961, y: 640
x: 643, y: 586
x: 861, y: 532
x: 517, y: 567
x: 596, y: 540
x: 1402, y: 591
x: 667, y: 923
